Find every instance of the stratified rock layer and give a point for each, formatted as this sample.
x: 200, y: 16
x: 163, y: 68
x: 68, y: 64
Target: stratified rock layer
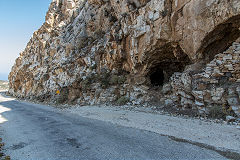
x: 100, y: 51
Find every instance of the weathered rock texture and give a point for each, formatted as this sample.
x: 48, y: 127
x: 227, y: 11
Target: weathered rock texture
x: 99, y: 51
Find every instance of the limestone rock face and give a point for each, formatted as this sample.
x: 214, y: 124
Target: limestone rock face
x: 98, y: 51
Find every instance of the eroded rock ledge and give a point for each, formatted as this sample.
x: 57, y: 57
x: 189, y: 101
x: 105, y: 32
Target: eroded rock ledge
x: 101, y: 51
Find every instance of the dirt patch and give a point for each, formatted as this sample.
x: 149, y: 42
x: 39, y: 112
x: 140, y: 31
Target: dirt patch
x: 180, y: 112
x: 2, y: 155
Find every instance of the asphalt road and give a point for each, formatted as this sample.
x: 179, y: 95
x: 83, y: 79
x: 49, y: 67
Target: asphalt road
x: 37, y: 132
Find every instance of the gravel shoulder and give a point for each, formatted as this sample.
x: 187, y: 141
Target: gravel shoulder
x: 203, y: 132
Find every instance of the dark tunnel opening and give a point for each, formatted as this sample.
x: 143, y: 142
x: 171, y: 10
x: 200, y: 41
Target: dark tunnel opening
x: 157, y: 77
x: 163, y: 63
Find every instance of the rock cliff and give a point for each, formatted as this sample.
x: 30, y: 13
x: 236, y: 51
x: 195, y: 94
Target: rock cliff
x: 179, y: 53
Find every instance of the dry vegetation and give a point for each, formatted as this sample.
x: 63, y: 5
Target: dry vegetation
x: 2, y: 156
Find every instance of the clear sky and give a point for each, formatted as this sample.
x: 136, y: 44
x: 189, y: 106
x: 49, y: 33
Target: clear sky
x: 18, y: 20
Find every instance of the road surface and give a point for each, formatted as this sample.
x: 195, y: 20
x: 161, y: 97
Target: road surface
x: 37, y: 132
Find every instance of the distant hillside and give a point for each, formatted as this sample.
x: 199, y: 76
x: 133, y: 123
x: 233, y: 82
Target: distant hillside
x: 3, y: 85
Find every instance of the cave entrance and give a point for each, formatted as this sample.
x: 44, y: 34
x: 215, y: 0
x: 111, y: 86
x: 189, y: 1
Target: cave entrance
x: 163, y: 62
x: 220, y: 38
x: 161, y: 73
x: 157, y: 77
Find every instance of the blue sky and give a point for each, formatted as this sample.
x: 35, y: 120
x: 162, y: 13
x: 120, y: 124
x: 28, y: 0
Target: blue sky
x: 18, y: 20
